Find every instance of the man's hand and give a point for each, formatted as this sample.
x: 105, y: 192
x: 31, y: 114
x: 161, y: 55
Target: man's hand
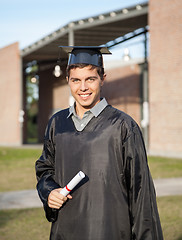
x: 56, y: 200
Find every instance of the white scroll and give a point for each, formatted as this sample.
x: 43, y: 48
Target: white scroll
x: 74, y: 181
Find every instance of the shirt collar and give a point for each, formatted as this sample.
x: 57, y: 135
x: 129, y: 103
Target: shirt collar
x: 71, y: 110
x: 99, y: 107
x: 96, y: 110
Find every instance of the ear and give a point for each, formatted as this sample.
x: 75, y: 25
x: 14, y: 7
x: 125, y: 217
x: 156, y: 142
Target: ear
x: 103, y: 79
x: 67, y: 79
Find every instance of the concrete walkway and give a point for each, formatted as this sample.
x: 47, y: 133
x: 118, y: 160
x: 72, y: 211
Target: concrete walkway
x: 30, y: 199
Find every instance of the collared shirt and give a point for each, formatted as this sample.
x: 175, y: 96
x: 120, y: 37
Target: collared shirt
x: 79, y: 123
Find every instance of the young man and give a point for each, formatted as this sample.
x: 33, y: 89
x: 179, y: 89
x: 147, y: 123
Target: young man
x: 117, y: 199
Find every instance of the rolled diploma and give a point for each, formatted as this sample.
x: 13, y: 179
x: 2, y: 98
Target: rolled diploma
x: 74, y: 181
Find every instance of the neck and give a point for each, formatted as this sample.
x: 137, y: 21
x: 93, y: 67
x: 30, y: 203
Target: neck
x: 80, y: 112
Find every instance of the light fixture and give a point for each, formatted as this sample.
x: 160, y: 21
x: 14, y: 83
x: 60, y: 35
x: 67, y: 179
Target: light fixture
x: 112, y: 14
x: 81, y: 22
x: 101, y: 17
x: 125, y: 11
x: 34, y: 79
x: 126, y: 56
x: 91, y: 20
x: 57, y: 71
x: 138, y: 7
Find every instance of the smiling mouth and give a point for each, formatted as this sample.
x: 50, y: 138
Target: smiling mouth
x: 84, y: 96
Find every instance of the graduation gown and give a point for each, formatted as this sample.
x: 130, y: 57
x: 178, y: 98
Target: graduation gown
x: 117, y: 199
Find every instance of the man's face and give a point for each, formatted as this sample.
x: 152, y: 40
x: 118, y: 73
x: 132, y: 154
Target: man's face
x: 85, y: 85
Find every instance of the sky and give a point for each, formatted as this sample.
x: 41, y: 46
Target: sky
x: 28, y: 21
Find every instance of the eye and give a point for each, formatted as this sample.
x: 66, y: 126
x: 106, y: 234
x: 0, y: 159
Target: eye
x: 75, y: 80
x: 91, y: 79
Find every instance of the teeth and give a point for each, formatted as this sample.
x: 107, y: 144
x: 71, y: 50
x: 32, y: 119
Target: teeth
x: 85, y: 95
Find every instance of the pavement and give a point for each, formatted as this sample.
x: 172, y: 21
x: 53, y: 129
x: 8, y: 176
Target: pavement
x: 30, y: 199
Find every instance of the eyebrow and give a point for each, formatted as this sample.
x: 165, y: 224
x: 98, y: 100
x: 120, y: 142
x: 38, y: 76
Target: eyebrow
x: 91, y: 77
x: 75, y: 78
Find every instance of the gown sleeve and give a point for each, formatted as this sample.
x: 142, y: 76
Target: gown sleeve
x: 144, y: 218
x: 45, y: 171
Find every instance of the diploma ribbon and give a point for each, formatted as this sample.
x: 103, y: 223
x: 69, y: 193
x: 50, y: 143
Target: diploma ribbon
x: 67, y: 188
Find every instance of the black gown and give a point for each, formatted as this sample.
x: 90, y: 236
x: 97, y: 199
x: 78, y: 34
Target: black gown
x: 117, y: 199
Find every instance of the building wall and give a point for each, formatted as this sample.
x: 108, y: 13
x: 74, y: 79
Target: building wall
x: 10, y: 95
x: 61, y: 94
x: 165, y: 77
x: 53, y: 96
x: 45, y: 104
x: 122, y: 89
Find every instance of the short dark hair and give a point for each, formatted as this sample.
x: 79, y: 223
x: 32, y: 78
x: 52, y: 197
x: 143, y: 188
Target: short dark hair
x: 100, y: 70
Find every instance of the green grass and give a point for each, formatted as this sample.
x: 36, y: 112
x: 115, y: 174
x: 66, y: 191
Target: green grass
x: 161, y: 167
x: 17, y: 168
x: 30, y: 224
x: 26, y: 224
x: 170, y: 211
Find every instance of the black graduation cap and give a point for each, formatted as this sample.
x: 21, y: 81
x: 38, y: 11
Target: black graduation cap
x: 86, y: 54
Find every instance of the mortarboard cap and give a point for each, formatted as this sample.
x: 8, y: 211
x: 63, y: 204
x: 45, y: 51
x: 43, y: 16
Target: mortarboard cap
x: 86, y: 54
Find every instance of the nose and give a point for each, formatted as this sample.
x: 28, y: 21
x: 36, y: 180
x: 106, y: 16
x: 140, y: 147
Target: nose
x: 83, y: 86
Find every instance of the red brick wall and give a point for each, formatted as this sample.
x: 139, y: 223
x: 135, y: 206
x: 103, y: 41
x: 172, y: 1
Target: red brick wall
x: 61, y: 93
x: 122, y: 89
x: 53, y: 96
x: 10, y: 95
x: 165, y: 77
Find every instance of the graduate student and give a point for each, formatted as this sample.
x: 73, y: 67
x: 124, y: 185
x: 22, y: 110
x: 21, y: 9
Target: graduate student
x: 116, y: 200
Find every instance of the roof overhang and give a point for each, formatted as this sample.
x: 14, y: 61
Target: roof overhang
x: 93, y: 31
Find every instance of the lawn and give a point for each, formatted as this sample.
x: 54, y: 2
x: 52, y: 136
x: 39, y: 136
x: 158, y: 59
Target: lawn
x: 17, y: 173
x: 24, y: 224
x: 165, y: 167
x: 170, y: 211
x: 18, y: 164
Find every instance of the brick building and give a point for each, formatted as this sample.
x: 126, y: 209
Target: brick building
x: 165, y: 78
x: 10, y: 95
x: 124, y: 85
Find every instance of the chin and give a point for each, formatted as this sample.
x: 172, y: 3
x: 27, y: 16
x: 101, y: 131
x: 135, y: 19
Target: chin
x: 86, y: 105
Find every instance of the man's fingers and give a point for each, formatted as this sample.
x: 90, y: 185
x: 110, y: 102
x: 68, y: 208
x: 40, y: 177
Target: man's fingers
x: 56, y: 200
x: 56, y: 193
x: 55, y: 204
x: 69, y: 196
